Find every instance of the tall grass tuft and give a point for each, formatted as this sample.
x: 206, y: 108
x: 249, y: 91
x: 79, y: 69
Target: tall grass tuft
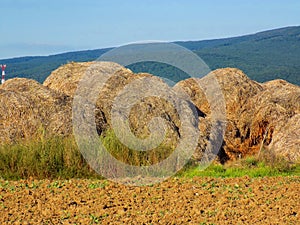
x: 59, y: 157
x: 134, y: 157
x: 54, y: 157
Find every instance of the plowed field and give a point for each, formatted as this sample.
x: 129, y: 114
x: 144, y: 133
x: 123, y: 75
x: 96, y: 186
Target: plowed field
x: 272, y: 200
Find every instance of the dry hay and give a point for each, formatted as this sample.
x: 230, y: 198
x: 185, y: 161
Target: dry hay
x: 28, y: 108
x: 66, y: 78
x: 265, y: 112
x: 258, y: 115
x: 283, y: 119
x: 237, y: 88
x: 286, y: 141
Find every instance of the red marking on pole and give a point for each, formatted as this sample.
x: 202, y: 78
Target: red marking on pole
x: 3, y: 67
x: 3, y: 73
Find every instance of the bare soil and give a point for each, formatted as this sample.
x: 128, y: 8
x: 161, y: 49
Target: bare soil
x: 274, y: 200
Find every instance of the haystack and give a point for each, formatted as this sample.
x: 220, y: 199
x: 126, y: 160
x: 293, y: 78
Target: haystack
x: 257, y: 114
x: 28, y: 108
x: 280, y: 112
x: 66, y: 78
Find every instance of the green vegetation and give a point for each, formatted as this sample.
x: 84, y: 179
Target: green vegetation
x: 132, y: 157
x: 266, y: 164
x: 263, y: 56
x: 56, y: 157
x: 59, y: 157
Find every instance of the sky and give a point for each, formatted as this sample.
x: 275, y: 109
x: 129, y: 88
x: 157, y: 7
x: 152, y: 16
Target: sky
x: 43, y: 27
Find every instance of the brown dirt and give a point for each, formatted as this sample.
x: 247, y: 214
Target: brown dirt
x: 176, y: 201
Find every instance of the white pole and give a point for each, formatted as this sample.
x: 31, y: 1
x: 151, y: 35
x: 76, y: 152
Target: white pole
x: 3, y: 73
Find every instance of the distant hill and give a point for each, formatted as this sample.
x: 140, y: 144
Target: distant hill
x: 40, y: 67
x: 262, y: 56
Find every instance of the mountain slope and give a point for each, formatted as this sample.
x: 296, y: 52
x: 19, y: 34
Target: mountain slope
x: 263, y: 56
x: 40, y: 67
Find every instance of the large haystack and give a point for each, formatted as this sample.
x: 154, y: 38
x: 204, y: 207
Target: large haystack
x: 237, y: 89
x: 257, y: 114
x: 66, y: 78
x: 28, y: 108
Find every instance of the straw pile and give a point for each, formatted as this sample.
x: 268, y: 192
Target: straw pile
x: 28, y: 108
x: 65, y: 80
x: 258, y: 115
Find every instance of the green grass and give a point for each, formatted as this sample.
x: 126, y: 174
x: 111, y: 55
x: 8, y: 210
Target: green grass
x: 132, y: 157
x: 55, y: 157
x: 59, y: 158
x: 250, y: 166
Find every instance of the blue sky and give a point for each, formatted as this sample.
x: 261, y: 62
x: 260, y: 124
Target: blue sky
x: 42, y: 27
